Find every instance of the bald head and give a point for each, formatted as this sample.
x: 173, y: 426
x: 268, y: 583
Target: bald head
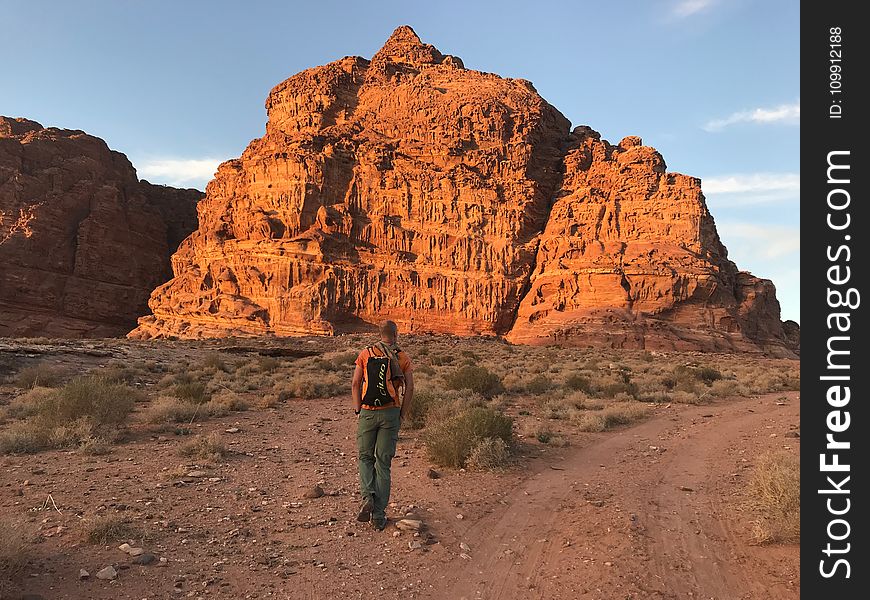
x: 389, y: 331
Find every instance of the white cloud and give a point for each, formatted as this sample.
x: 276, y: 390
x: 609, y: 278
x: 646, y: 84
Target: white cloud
x: 178, y: 171
x: 756, y: 240
x: 784, y: 113
x: 687, y: 8
x: 741, y: 189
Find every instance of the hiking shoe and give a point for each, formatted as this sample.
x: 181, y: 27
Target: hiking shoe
x: 379, y: 524
x: 365, y: 511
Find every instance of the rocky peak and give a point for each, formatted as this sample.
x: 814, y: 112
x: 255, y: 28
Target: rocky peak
x: 10, y: 126
x: 405, y: 47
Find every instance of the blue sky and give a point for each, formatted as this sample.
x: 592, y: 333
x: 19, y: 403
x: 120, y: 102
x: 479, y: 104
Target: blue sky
x: 180, y: 85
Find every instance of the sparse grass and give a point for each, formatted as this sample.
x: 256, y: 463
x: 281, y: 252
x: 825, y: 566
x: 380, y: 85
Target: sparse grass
x: 117, y: 374
x: 539, y: 384
x: 170, y: 409
x: 774, y: 498
x: 622, y: 413
x: 214, y: 361
x: 15, y: 551
x: 105, y: 529
x: 451, y: 441
x: 475, y: 379
x: 204, y: 447
x: 41, y: 374
x: 313, y: 385
x: 578, y: 383
x: 490, y: 454
x: 192, y: 391
x: 27, y: 404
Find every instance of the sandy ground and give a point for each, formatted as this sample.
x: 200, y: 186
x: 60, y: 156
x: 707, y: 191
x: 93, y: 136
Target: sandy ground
x: 649, y: 511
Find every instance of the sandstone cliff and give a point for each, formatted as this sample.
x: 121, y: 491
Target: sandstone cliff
x: 450, y: 200
x: 82, y: 241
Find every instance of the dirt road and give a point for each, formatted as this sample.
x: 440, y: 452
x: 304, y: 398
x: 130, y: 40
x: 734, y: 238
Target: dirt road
x: 649, y: 512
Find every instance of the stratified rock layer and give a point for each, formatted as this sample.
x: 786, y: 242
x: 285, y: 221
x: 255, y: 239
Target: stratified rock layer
x: 82, y: 241
x: 449, y: 200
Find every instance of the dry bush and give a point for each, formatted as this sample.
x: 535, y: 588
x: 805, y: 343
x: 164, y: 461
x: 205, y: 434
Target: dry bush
x: 490, y: 454
x: 539, y: 384
x: 84, y: 408
x: 102, y: 530
x: 41, y: 374
x: 204, y: 447
x: 192, y: 391
x: 213, y: 361
x: 170, y: 409
x: 578, y: 383
x: 418, y: 411
x: 26, y: 404
x: 451, y: 441
x: 622, y: 413
x: 15, y: 551
x: 774, y: 497
x: 475, y: 379
x: 313, y: 385
x: 268, y: 364
x: 116, y: 373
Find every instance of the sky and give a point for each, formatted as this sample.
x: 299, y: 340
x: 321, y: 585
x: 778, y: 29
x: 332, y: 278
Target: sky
x: 179, y: 86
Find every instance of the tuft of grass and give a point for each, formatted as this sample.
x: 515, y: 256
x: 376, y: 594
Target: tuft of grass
x: 421, y: 405
x: 623, y: 413
x: 191, y: 391
x: 27, y: 404
x: 15, y: 551
x: 213, y: 361
x: 774, y: 497
x: 41, y: 374
x: 451, y: 441
x: 105, y: 529
x: 490, y: 454
x: 169, y: 409
x: 539, y: 384
x: 578, y: 383
x: 476, y: 379
x: 204, y: 447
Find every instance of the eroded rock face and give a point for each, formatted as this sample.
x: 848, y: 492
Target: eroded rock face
x: 449, y: 200
x: 82, y: 241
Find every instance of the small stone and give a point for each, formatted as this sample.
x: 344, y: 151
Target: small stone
x: 125, y: 547
x: 136, y: 551
x: 146, y: 558
x: 83, y: 574
x: 315, y: 492
x: 460, y: 516
x: 608, y: 564
x: 414, y: 545
x: 196, y: 474
x: 232, y: 430
x: 464, y: 547
x: 433, y: 474
x: 107, y: 573
x: 397, y: 533
x: 465, y: 556
x: 409, y: 524
x: 685, y: 488
x: 162, y: 562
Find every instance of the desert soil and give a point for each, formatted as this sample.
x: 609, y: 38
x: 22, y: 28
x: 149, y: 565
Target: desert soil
x: 650, y: 511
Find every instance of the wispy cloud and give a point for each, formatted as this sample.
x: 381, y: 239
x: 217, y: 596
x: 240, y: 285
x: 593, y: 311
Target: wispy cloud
x: 765, y: 241
x: 741, y: 189
x: 687, y: 8
x: 784, y: 113
x: 178, y: 171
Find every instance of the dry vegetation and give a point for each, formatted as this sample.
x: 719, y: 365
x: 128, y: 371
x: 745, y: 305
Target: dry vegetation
x: 774, y: 498
x: 470, y: 393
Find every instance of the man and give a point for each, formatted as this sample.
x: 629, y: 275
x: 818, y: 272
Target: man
x: 382, y: 389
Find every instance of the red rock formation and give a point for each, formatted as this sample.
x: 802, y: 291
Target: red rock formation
x: 630, y: 257
x: 409, y: 187
x: 82, y: 242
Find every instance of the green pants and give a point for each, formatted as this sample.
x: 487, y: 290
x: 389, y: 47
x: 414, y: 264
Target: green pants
x: 376, y: 436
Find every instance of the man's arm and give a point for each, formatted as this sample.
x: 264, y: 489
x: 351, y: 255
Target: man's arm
x: 409, y: 394
x: 356, y: 388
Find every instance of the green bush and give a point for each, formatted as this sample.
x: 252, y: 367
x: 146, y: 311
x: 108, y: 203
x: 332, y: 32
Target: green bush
x: 193, y: 392
x: 421, y: 404
x: 451, y: 441
x: 476, y: 379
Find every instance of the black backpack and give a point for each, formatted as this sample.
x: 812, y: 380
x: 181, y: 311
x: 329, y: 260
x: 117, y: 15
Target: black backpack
x: 377, y: 375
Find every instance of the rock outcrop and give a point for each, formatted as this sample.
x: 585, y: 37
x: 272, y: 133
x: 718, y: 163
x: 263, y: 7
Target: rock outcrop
x: 82, y: 241
x: 449, y: 200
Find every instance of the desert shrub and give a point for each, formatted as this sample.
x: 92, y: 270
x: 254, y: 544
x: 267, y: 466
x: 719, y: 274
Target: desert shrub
x: 27, y: 404
x: 22, y: 437
x: 421, y: 403
x: 424, y: 368
x: 15, y: 545
x: 476, y: 379
x: 708, y: 375
x: 213, y: 361
x: 104, y: 403
x: 172, y: 379
x: 116, y: 374
x: 40, y: 374
x: 614, y: 388
x: 490, y: 454
x: 539, y: 384
x: 94, y: 446
x: 774, y: 497
x: 268, y: 364
x: 439, y: 360
x: 105, y: 529
x: 451, y: 441
x: 167, y: 409
x: 578, y: 382
x: 204, y: 447
x: 191, y: 391
x: 335, y: 361
x: 310, y: 386
x: 727, y: 387
x: 623, y: 413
